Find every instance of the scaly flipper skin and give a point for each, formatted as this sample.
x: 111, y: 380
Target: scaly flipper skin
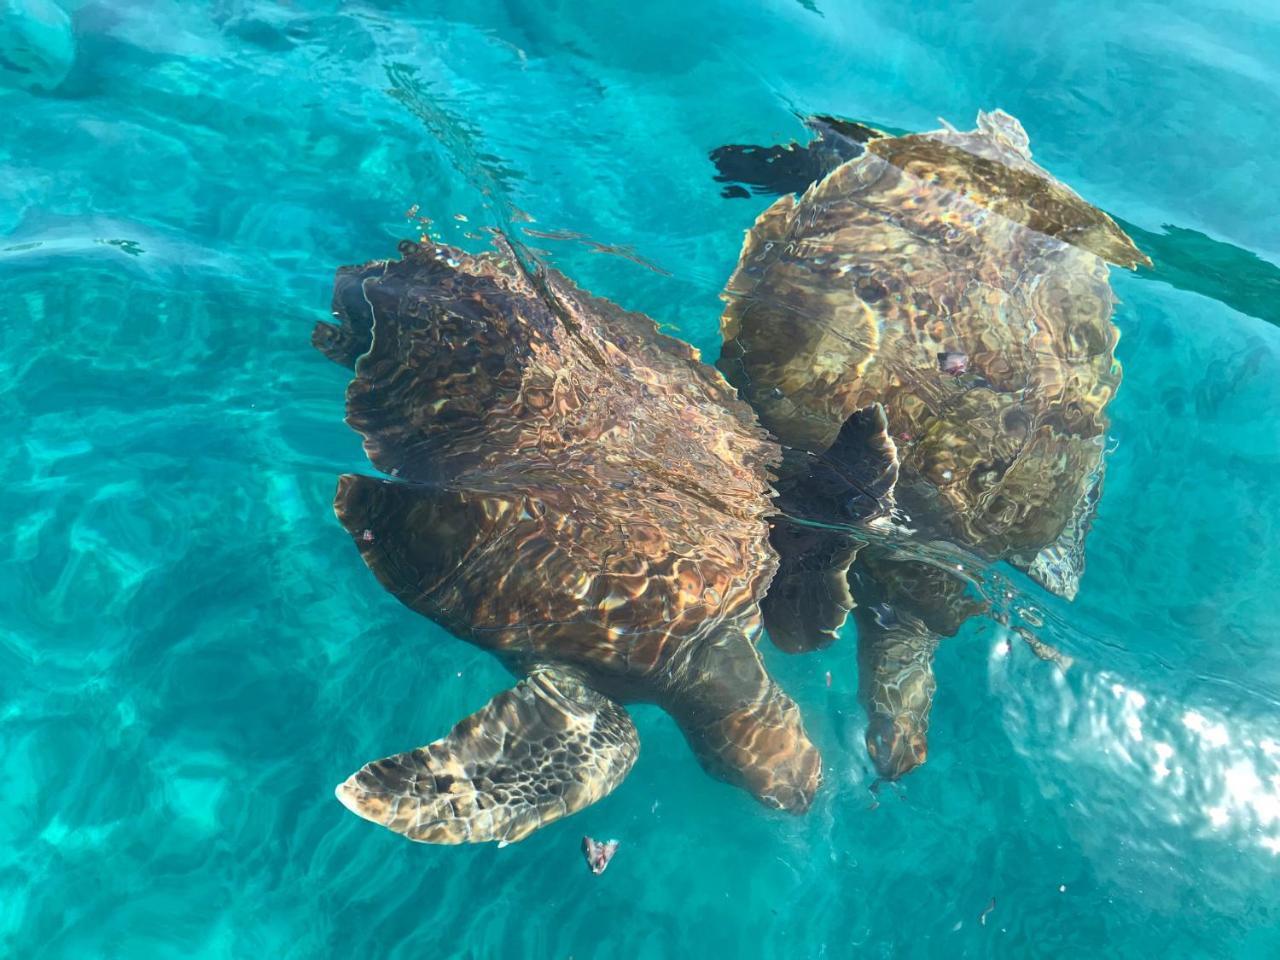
x: 538, y: 752
x: 948, y: 278
x: 580, y: 495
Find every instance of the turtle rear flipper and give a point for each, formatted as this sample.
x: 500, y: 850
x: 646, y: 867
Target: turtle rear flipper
x: 895, y: 686
x: 852, y: 482
x: 535, y: 753
x: 1059, y: 566
x: 741, y: 725
x: 905, y: 607
x: 792, y: 167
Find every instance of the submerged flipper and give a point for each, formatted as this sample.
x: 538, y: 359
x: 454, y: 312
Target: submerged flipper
x: 852, y: 482
x: 742, y: 726
x: 790, y: 168
x: 905, y: 607
x: 542, y: 750
x: 809, y: 599
x: 895, y: 686
x: 1059, y: 566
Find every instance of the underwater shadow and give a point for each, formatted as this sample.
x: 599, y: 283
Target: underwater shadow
x: 1183, y: 258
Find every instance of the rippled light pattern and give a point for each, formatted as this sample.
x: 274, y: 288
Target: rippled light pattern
x: 192, y: 654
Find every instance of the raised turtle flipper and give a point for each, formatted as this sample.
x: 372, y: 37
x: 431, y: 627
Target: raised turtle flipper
x: 792, y: 167
x: 535, y: 753
x: 852, y: 482
x: 853, y: 479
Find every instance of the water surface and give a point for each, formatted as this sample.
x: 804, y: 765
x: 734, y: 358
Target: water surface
x: 192, y: 655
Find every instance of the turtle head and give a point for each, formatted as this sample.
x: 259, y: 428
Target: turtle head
x: 763, y: 748
x: 772, y: 755
x: 897, y: 745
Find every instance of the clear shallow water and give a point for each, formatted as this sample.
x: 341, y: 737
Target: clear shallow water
x: 191, y: 654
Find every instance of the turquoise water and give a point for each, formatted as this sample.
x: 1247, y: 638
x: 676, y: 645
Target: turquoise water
x: 192, y: 655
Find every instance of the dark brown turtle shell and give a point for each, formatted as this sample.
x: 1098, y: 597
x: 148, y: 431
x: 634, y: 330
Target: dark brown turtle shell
x: 568, y: 487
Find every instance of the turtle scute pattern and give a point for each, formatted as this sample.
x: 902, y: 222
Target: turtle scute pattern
x: 927, y: 245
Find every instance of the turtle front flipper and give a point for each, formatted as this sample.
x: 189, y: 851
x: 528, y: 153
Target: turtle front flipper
x: 809, y: 600
x: 792, y: 167
x: 852, y: 482
x: 540, y: 751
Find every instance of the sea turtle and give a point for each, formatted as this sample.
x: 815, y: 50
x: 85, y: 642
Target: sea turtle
x: 945, y: 284
x: 580, y: 495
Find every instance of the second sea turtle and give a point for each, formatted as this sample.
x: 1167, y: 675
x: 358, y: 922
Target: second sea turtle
x: 944, y: 287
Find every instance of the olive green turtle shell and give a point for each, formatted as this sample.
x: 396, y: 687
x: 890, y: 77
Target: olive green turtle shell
x: 927, y: 245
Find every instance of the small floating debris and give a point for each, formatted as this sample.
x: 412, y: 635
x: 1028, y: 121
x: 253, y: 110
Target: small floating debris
x: 991, y: 905
x: 598, y: 853
x: 131, y: 247
x: 953, y: 363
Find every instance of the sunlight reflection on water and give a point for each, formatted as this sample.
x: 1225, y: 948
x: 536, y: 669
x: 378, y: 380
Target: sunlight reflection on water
x: 1189, y: 766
